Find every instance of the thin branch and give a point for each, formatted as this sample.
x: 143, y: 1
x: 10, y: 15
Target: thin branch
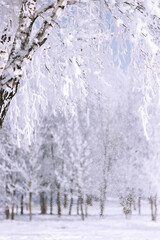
x: 43, y: 10
x: 45, y: 29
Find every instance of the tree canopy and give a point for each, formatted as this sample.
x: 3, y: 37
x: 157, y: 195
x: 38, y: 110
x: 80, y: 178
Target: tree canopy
x: 130, y: 30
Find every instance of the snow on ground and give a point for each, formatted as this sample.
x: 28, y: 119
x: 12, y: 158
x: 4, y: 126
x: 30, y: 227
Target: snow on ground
x: 113, y: 226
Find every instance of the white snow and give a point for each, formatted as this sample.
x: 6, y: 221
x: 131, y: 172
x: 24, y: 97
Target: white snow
x: 77, y: 68
x: 119, y: 22
x: 113, y: 226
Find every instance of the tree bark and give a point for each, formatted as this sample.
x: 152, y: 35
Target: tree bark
x: 43, y: 203
x: 7, y: 213
x: 12, y: 213
x: 139, y: 205
x: 30, y: 202
x: 81, y: 204
x: 78, y: 203
x: 86, y: 209
x: 103, y: 199
x: 65, y: 200
x: 12, y: 72
x: 30, y: 206
x: 153, y: 202
x: 71, y: 203
x: 101, y: 208
x: 17, y: 209
x: 23, y: 48
x: 22, y: 204
x: 46, y: 203
x: 58, y: 201
x: 51, y: 203
x: 13, y: 205
x: 155, y: 205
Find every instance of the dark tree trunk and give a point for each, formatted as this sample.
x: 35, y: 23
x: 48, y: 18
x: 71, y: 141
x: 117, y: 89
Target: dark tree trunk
x: 46, y: 203
x: 78, y: 204
x: 153, y: 202
x: 71, y: 202
x: 87, y: 203
x: 65, y: 200
x: 30, y: 202
x: 12, y: 213
x: 13, y: 205
x: 82, y: 212
x: 42, y: 202
x: 7, y: 213
x: 58, y: 203
x: 86, y: 209
x: 22, y: 204
x: 155, y: 205
x: 51, y: 203
x: 71, y: 205
x: 139, y: 205
x: 30, y: 206
x: 101, y: 208
x: 103, y: 196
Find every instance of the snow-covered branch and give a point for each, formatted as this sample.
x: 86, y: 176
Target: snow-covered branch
x: 21, y: 48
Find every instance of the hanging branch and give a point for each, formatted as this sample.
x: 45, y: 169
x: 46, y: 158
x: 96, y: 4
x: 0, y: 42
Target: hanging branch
x: 22, y: 49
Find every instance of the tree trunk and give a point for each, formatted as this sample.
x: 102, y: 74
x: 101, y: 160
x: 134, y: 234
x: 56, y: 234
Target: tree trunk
x: 103, y: 196
x: 139, y: 205
x: 30, y: 206
x: 102, y: 201
x: 71, y: 205
x: 155, y: 205
x: 78, y: 203
x: 13, y: 204
x: 82, y: 212
x: 17, y: 209
x: 46, y: 203
x: 153, y: 202
x: 86, y: 209
x: 51, y: 203
x: 101, y: 208
x: 65, y: 200
x: 43, y: 203
x: 12, y: 213
x: 58, y: 203
x: 22, y: 204
x: 87, y: 203
x: 7, y: 213
x: 30, y: 202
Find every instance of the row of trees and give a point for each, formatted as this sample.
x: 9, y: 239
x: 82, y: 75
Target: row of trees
x: 78, y: 156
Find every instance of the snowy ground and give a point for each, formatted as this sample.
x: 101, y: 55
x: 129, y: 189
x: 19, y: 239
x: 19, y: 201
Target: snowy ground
x: 111, y: 227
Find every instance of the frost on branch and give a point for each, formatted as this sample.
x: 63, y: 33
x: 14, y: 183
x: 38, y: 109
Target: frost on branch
x: 23, y: 46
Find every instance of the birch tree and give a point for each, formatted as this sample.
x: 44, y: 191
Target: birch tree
x: 18, y: 48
